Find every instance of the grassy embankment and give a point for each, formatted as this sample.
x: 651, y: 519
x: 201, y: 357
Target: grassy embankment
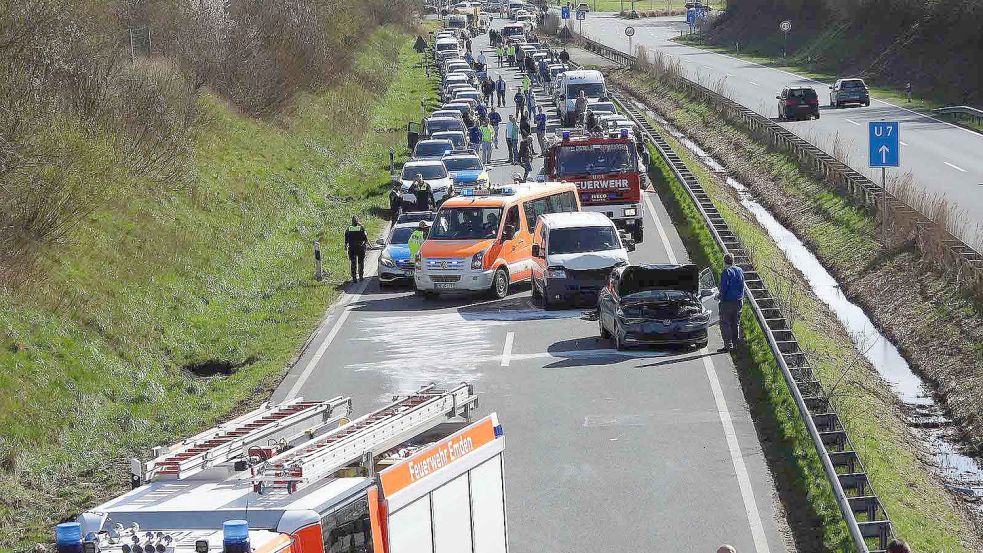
x: 217, y: 271
x: 923, y: 513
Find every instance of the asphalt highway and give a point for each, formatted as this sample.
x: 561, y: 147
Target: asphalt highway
x: 942, y: 158
x: 647, y: 450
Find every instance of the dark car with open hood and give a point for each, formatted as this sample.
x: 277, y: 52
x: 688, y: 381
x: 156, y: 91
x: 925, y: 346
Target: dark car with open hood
x: 656, y: 304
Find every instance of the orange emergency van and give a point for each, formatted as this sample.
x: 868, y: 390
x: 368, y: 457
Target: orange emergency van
x: 481, y: 240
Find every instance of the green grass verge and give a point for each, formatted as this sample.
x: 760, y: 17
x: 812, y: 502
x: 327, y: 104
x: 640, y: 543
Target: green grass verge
x: 922, y: 512
x: 215, y: 268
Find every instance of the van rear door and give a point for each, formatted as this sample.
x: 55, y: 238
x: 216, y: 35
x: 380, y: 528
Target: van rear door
x: 450, y: 495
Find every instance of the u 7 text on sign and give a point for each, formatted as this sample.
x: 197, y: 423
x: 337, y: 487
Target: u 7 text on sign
x: 884, y: 144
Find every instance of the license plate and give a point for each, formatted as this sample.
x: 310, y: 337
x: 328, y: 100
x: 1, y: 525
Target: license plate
x: 445, y: 285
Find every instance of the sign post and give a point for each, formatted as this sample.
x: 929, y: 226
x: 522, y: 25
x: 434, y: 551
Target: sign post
x: 581, y: 16
x: 630, y: 32
x: 883, y: 150
x: 785, y: 27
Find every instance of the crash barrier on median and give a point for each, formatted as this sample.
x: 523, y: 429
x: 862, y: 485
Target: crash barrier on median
x: 932, y: 239
x: 962, y: 112
x: 863, y: 512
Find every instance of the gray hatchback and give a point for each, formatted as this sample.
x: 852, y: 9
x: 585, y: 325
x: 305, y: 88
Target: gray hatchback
x: 849, y: 91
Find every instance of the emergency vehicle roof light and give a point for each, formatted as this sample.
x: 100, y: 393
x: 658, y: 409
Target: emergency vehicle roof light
x: 235, y: 532
x: 624, y: 133
x: 68, y: 537
x: 566, y: 136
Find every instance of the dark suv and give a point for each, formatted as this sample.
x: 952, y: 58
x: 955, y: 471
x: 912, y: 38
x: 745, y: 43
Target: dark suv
x: 849, y: 91
x: 798, y: 102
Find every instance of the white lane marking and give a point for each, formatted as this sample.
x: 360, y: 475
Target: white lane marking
x: 852, y: 121
x: 660, y: 229
x: 956, y: 167
x: 346, y: 303
x: 729, y: 75
x: 737, y: 458
x: 903, y: 143
x: 507, y: 349
x: 754, y: 83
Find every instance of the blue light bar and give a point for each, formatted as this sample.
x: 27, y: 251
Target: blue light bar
x: 624, y: 133
x: 566, y: 136
x: 68, y: 537
x: 235, y: 536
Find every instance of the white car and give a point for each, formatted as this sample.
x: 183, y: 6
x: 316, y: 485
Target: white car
x: 433, y: 172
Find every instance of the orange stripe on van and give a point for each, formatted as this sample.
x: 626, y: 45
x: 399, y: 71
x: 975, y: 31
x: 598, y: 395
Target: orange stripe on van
x: 437, y: 456
x: 275, y: 545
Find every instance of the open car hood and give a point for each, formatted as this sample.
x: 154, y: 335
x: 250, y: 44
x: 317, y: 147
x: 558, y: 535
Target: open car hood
x: 640, y: 278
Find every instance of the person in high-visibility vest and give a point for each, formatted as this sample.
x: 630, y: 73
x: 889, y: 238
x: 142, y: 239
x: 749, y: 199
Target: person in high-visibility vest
x: 511, y: 55
x: 416, y: 239
x: 500, y: 52
x: 356, y: 240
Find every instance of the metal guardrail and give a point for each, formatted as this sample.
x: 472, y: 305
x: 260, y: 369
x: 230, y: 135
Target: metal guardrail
x: 962, y: 111
x: 862, y: 511
x: 927, y: 233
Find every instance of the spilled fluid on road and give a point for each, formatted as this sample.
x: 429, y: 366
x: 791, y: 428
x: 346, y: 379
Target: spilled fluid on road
x: 961, y: 473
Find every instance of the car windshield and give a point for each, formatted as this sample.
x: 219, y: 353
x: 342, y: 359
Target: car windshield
x: 806, y: 93
x: 434, y: 171
x: 401, y: 235
x: 446, y: 46
x: 444, y: 125
x: 595, y: 159
x: 463, y: 164
x: 456, y: 139
x: 852, y: 84
x: 591, y: 90
x: 431, y: 149
x: 466, y: 223
x: 585, y: 239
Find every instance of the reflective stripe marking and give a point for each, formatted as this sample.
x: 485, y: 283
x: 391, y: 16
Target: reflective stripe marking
x: 507, y: 349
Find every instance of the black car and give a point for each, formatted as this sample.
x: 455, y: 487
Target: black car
x: 798, y: 102
x: 655, y: 304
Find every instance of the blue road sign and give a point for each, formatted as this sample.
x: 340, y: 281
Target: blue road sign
x: 691, y: 16
x: 565, y: 12
x: 884, y: 144
x: 581, y: 15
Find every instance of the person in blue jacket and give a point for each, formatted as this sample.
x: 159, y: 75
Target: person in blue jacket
x: 731, y: 300
x: 474, y: 134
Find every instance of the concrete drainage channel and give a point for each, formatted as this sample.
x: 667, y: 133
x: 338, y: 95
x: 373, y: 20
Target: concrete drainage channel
x: 862, y: 511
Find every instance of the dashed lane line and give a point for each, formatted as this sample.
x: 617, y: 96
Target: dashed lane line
x: 507, y: 349
x: 956, y: 167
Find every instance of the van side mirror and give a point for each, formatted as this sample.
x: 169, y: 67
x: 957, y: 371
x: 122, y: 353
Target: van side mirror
x: 536, y: 251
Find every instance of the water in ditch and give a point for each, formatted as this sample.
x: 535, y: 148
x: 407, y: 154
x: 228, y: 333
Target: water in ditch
x: 962, y: 473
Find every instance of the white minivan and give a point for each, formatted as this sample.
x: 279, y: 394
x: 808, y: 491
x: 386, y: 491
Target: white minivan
x: 570, y: 85
x: 573, y: 254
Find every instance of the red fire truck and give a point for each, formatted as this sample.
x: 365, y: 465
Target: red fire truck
x: 416, y: 476
x: 607, y: 174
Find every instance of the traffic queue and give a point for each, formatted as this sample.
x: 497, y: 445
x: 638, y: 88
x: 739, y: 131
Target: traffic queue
x: 567, y: 231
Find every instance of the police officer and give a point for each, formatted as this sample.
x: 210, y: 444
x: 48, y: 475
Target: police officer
x: 421, y: 189
x: 416, y: 239
x: 356, y: 240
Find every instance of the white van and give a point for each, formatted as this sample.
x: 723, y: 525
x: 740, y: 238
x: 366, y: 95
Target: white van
x: 573, y: 254
x: 446, y: 48
x: 569, y: 86
x: 514, y: 31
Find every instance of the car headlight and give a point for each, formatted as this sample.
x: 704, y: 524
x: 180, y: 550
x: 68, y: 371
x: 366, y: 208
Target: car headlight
x: 387, y: 261
x: 556, y: 273
x: 478, y: 261
x: 630, y: 212
x: 701, y: 317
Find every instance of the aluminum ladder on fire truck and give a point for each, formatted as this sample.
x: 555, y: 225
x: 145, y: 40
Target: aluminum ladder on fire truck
x: 359, y: 440
x: 233, y: 439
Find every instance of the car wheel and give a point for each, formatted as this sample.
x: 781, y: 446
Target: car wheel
x: 500, y: 284
x: 817, y: 115
x: 867, y: 103
x: 604, y: 332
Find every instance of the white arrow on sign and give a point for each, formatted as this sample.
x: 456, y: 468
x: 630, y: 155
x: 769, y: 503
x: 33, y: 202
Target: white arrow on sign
x: 884, y: 151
